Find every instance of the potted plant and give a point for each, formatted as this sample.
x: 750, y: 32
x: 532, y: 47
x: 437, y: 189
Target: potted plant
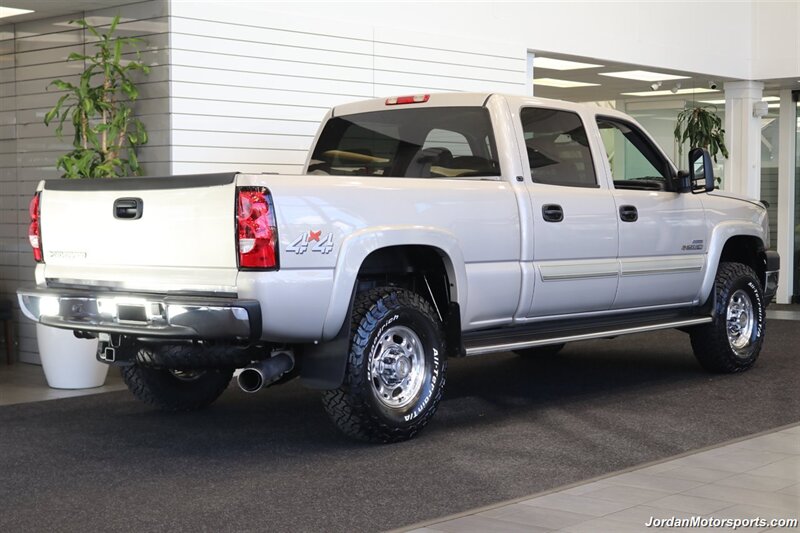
x: 702, y: 128
x: 100, y: 108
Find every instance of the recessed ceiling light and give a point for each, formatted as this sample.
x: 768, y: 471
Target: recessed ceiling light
x: 561, y: 64
x: 643, y: 75
x: 562, y: 84
x: 665, y: 93
x: 720, y: 102
x: 12, y: 11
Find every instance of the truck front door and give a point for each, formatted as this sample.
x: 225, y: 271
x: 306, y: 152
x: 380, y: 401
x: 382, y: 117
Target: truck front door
x: 662, y: 250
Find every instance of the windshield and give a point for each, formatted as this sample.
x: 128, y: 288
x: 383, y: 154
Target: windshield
x: 434, y: 142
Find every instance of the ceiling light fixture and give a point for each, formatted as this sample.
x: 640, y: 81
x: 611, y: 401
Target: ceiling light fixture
x: 560, y: 64
x: 675, y: 89
x: 668, y: 92
x: 12, y: 11
x: 562, y: 84
x: 655, y: 86
x: 721, y: 102
x: 644, y: 75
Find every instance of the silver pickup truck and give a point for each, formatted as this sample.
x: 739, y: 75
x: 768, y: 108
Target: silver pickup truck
x: 425, y: 227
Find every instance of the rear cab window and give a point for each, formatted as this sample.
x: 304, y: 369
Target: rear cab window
x: 434, y: 142
x: 557, y: 147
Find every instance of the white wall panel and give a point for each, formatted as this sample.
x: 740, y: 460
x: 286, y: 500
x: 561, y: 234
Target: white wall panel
x: 243, y: 125
x: 273, y: 81
x: 250, y: 85
x: 188, y: 167
x: 229, y: 65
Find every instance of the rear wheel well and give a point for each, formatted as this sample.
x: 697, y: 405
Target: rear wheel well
x: 415, y: 267
x: 427, y: 271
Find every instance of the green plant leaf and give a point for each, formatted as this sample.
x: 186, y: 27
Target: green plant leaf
x: 100, y: 108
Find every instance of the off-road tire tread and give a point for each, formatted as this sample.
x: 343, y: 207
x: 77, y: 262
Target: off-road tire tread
x: 191, y: 356
x: 347, y: 405
x: 710, y: 341
x: 159, y: 389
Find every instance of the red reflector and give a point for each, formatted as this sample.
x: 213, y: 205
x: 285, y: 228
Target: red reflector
x: 415, y: 99
x: 256, y: 229
x: 34, y: 230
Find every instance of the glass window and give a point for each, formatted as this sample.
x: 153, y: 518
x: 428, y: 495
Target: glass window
x: 435, y: 142
x: 452, y: 140
x: 635, y: 163
x: 557, y: 147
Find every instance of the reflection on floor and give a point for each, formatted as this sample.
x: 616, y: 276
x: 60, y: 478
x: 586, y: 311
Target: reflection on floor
x: 20, y: 383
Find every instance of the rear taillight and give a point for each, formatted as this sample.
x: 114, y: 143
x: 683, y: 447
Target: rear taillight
x: 256, y: 229
x: 35, y: 229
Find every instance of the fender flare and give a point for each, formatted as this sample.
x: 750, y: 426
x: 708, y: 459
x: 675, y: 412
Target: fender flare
x: 359, y: 245
x: 720, y: 235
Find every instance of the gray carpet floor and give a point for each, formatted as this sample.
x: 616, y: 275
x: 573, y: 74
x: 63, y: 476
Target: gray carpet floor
x: 508, y: 427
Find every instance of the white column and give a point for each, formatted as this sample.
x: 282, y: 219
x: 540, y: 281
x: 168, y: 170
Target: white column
x: 743, y: 138
x: 529, y: 75
x: 784, y: 240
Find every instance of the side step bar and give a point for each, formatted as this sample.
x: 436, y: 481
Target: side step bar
x: 475, y: 346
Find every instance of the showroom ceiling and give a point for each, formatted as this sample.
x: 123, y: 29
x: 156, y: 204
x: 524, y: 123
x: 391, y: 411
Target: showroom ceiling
x: 51, y: 8
x: 601, y: 86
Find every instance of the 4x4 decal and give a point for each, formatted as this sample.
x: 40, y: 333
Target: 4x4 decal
x: 311, y: 240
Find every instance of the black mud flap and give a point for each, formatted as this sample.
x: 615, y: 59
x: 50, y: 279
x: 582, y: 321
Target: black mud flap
x: 322, y: 366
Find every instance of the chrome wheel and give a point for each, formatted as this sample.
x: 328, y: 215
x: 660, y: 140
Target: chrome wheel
x: 397, y: 367
x: 740, y: 322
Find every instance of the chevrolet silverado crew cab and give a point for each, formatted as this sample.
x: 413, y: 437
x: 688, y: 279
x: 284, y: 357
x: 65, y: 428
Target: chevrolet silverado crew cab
x: 424, y: 227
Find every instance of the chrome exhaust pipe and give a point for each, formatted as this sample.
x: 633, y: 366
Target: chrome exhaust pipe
x: 264, y: 373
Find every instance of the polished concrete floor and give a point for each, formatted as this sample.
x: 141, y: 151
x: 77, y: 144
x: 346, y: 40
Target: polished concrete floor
x: 21, y: 383
x: 754, y: 478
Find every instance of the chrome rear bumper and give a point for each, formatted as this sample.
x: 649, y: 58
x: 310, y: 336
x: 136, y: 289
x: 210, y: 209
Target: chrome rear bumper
x: 144, y: 315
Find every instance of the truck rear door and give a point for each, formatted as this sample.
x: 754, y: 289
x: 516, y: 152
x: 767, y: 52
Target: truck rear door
x: 574, y: 219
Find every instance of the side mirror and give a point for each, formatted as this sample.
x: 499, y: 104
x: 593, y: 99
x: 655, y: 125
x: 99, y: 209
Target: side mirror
x: 700, y: 177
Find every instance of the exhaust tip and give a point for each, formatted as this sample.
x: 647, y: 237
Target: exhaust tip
x: 250, y: 380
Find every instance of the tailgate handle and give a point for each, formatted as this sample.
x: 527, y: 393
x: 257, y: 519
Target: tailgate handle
x: 128, y: 208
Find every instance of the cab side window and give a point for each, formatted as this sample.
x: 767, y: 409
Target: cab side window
x: 557, y: 147
x: 635, y: 163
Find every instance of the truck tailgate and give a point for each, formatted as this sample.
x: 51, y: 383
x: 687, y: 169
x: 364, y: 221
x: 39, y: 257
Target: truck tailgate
x: 91, y: 231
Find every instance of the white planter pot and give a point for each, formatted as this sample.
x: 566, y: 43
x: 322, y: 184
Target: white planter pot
x: 69, y: 362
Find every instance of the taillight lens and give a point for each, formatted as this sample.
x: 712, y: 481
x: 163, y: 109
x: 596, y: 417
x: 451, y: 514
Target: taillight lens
x: 35, y: 230
x: 256, y: 229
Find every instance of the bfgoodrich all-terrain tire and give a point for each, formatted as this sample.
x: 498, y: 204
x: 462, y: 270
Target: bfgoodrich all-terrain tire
x: 396, y: 368
x: 733, y: 341
x: 174, y: 390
